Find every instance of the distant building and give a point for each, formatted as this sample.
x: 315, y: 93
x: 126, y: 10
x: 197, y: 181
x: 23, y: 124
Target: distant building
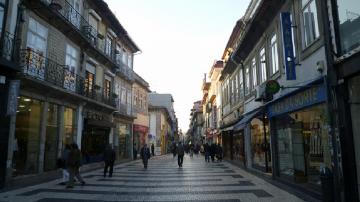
x: 163, y: 121
x: 141, y: 111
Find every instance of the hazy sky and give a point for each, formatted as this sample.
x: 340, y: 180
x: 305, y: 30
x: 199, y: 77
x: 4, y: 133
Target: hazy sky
x: 179, y: 39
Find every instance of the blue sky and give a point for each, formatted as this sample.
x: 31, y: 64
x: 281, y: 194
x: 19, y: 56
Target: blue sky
x: 179, y: 39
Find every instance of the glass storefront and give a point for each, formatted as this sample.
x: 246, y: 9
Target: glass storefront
x: 260, y: 144
x: 51, y: 139
x: 354, y: 94
x: 27, y: 136
x: 303, y: 144
x: 94, y: 141
x: 124, y: 140
x: 238, y: 146
x: 70, y: 125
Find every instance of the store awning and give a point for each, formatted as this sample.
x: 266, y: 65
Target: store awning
x: 246, y: 119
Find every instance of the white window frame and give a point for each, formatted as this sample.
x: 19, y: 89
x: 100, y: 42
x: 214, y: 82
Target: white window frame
x: 247, y: 79
x: 310, y: 26
x: 274, y: 54
x: 254, y: 72
x: 262, y: 57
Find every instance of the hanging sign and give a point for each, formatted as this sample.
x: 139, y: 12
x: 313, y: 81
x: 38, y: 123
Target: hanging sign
x: 288, y: 46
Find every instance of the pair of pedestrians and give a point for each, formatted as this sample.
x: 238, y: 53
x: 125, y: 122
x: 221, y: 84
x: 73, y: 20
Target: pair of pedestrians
x: 71, y: 162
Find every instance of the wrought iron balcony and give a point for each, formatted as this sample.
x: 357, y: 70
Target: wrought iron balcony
x: 37, y: 66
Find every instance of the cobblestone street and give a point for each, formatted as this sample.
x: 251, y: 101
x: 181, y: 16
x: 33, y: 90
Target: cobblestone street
x: 162, y: 181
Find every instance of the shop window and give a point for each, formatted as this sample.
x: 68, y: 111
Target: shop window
x: 70, y: 126
x: 260, y: 144
x: 27, y: 136
x: 310, y: 22
x: 349, y: 27
x: 303, y: 144
x: 238, y: 147
x: 51, y: 139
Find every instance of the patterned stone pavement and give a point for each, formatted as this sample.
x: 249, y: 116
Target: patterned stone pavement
x: 162, y: 181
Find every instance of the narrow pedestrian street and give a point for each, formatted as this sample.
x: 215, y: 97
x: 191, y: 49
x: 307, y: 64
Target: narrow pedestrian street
x: 162, y: 181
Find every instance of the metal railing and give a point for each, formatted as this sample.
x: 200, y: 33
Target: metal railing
x: 97, y: 40
x: 37, y: 66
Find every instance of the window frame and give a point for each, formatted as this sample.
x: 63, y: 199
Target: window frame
x: 314, y: 24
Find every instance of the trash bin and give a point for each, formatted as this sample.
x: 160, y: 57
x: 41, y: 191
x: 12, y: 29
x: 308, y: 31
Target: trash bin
x: 327, y: 184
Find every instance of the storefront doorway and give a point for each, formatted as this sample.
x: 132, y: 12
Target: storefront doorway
x: 94, y: 141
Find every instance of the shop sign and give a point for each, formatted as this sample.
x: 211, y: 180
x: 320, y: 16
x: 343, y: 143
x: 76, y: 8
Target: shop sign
x: 299, y: 100
x: 272, y: 87
x: 288, y: 45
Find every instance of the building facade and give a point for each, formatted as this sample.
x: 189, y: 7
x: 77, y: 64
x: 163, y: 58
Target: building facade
x: 343, y: 40
x: 74, y: 88
x: 163, y: 121
x: 140, y: 108
x: 195, y: 134
x: 286, y: 133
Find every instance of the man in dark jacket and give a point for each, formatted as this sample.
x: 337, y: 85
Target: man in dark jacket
x: 73, y: 164
x: 180, y: 153
x: 145, y: 155
x: 109, y: 159
x: 153, y: 149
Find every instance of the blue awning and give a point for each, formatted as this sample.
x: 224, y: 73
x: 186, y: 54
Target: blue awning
x: 246, y: 119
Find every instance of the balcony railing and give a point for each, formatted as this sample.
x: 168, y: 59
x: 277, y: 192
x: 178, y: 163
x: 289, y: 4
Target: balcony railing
x: 73, y: 17
x: 41, y: 68
x: 7, y: 45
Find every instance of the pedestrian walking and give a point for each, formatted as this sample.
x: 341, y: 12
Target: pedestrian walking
x: 109, y: 159
x: 219, y: 152
x: 135, y: 151
x: 73, y: 165
x: 174, y: 149
x: 212, y: 152
x: 145, y: 155
x: 207, y: 152
x: 153, y: 149
x: 180, y: 153
x: 62, y: 164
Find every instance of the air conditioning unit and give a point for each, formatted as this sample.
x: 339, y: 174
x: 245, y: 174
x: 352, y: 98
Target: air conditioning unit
x: 260, y: 92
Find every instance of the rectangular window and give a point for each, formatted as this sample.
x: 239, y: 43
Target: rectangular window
x: 51, y: 139
x: 123, y: 95
x: 274, y: 54
x: 92, y: 30
x: 73, y: 12
x: 349, y: 27
x: 107, y: 87
x: 128, y: 102
x: 130, y: 60
x: 118, y: 54
x: 241, y: 84
x: 254, y: 73
x: 89, y: 79
x: 108, y: 45
x: 36, y: 49
x: 263, y: 65
x: 293, y: 31
x: 124, y: 57
x: 71, y: 58
x: 310, y: 22
x: 247, y: 79
x: 236, y: 92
